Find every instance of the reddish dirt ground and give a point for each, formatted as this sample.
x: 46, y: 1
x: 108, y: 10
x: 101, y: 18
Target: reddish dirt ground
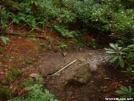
x: 21, y: 48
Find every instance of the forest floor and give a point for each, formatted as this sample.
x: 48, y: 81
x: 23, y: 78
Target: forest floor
x: 39, y: 55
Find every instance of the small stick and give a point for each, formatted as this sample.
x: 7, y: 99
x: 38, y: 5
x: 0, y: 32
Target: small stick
x: 64, y: 67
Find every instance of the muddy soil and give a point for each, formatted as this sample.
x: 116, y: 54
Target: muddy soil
x: 103, y: 83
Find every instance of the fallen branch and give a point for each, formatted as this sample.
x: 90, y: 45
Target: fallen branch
x: 64, y: 67
x: 23, y: 35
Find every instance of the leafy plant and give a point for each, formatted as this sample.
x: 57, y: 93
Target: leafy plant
x: 92, y: 43
x: 126, y: 92
x: 12, y: 75
x: 78, y: 38
x: 103, y: 88
x: 66, y: 16
x: 49, y: 39
x: 129, y: 72
x: 124, y: 56
x: 4, y: 39
x: 117, y: 54
x: 29, y: 19
x: 28, y: 62
x: 5, y: 92
x: 36, y: 92
x: 63, y: 31
x: 3, y: 18
x: 31, y: 81
x: 62, y: 45
x: 32, y: 37
x: 41, y: 45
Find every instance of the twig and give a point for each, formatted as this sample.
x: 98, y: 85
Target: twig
x: 65, y: 67
x: 23, y: 26
x: 9, y: 24
x: 31, y: 30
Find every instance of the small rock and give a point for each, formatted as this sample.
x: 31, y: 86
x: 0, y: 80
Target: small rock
x: 90, y: 54
x: 81, y: 60
x: 81, y: 75
x: 64, y: 54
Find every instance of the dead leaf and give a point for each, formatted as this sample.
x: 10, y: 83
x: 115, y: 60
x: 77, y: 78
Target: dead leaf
x: 34, y: 75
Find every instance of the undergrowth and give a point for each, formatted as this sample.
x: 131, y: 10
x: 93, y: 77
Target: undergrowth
x: 36, y: 91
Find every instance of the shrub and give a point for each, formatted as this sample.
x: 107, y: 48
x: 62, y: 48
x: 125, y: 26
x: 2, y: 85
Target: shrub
x: 3, y: 17
x: 63, y: 31
x: 5, y: 92
x: 104, y: 15
x: 36, y: 92
x: 126, y: 92
x: 123, y: 55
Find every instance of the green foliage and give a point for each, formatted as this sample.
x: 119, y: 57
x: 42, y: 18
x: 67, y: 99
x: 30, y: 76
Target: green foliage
x: 113, y: 16
x: 36, y: 92
x: 51, y: 10
x: 1, y: 49
x: 31, y: 81
x: 10, y: 3
x: 125, y: 92
x: 123, y: 56
x: 82, y: 9
x: 12, y: 75
x: 35, y: 2
x: 41, y: 45
x: 5, y: 92
x: 63, y: 31
x: 4, y: 39
x: 103, y: 88
x: 3, y: 17
x: 62, y: 45
x: 129, y: 72
x: 50, y: 42
x: 28, y: 61
x: 78, y: 38
x: 25, y: 15
x: 103, y: 15
x: 117, y: 53
x: 92, y: 43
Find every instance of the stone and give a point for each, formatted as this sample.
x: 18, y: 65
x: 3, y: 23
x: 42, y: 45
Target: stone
x: 81, y: 60
x: 64, y: 54
x: 81, y: 75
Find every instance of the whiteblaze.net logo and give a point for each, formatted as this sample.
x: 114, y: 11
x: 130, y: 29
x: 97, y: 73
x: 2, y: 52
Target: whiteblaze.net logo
x: 119, y: 99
